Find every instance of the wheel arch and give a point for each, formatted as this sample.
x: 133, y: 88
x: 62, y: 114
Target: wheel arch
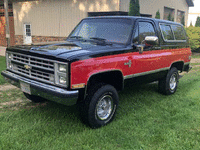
x: 112, y: 77
x: 178, y: 64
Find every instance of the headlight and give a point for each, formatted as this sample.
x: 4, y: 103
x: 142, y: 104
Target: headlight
x: 9, y: 56
x: 62, y: 80
x: 62, y: 68
x: 8, y: 60
x: 61, y: 74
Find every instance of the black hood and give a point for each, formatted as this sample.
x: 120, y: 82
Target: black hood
x: 65, y: 49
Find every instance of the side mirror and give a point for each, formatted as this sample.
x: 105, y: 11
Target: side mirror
x: 140, y: 48
x: 152, y: 40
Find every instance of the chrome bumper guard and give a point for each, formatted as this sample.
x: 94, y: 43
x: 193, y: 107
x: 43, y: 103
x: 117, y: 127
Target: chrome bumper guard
x: 46, y: 91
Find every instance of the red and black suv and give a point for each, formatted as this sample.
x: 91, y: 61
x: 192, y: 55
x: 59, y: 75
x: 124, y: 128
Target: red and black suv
x: 97, y: 58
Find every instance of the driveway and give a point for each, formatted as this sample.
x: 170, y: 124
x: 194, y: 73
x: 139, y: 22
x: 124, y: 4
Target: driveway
x: 2, y: 51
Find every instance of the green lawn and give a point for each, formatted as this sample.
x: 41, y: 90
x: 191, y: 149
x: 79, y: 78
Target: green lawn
x: 2, y: 67
x: 145, y: 120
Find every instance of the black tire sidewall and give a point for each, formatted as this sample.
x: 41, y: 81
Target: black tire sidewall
x: 93, y: 120
x: 169, y: 75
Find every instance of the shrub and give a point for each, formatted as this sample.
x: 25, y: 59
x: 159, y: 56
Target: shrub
x: 194, y: 37
x: 134, y: 8
x: 157, y: 15
x: 197, y: 24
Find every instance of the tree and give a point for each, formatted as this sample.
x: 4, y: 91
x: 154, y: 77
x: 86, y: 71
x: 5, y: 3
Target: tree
x: 197, y: 24
x: 191, y: 24
x: 157, y: 15
x: 183, y: 20
x: 134, y: 8
x: 169, y: 17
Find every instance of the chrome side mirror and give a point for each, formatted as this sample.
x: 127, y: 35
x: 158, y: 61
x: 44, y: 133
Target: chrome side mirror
x: 152, y: 40
x: 140, y: 48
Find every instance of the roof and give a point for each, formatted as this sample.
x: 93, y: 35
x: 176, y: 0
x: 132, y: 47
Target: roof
x: 133, y: 18
x: 190, y: 3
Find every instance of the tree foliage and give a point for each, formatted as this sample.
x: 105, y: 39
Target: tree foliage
x: 197, y: 24
x: 191, y: 24
x: 169, y: 17
x: 157, y: 15
x: 183, y: 20
x: 134, y: 8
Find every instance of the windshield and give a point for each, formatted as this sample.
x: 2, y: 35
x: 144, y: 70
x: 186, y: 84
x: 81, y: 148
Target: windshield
x: 109, y: 30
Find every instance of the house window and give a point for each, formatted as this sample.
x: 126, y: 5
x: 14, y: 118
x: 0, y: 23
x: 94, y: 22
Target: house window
x: 168, y: 14
x: 180, y: 15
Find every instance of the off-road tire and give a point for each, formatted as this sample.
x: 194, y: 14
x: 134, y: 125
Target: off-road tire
x: 169, y: 84
x: 90, y: 107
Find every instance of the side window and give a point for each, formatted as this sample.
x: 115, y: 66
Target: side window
x: 136, y: 34
x: 179, y: 32
x: 145, y: 29
x: 167, y: 32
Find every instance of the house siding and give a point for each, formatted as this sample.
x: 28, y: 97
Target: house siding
x: 152, y: 6
x: 54, y: 20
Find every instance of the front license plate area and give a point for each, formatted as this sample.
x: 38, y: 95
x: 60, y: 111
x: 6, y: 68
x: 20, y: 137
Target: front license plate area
x: 25, y: 87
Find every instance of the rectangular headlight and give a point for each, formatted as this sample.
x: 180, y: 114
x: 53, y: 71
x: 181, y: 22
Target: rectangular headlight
x: 62, y: 80
x: 62, y: 67
x: 61, y: 74
x: 8, y: 60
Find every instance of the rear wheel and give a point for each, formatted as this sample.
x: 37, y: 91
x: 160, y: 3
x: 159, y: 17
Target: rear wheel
x: 168, y: 85
x: 35, y: 99
x: 100, y: 106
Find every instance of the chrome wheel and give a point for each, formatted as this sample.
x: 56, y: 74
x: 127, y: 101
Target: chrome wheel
x: 173, y: 82
x: 104, y: 107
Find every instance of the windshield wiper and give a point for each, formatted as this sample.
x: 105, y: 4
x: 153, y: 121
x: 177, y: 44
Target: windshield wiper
x: 76, y: 37
x: 100, y: 41
x: 97, y: 38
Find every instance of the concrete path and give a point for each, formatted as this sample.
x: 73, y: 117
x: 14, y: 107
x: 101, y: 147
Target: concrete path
x: 2, y: 51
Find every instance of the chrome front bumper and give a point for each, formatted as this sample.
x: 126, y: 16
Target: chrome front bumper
x: 46, y: 91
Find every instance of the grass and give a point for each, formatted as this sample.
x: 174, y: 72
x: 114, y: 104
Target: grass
x: 145, y: 120
x: 2, y: 67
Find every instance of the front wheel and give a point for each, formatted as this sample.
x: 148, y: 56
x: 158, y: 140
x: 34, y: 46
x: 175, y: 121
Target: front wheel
x: 168, y: 85
x: 100, y: 106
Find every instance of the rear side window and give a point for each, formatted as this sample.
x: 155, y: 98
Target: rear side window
x: 179, y: 32
x: 173, y: 33
x: 167, y: 32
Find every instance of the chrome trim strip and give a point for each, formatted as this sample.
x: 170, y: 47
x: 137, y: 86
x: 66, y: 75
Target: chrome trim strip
x: 145, y: 73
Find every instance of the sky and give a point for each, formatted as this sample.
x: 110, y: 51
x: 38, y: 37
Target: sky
x: 195, y: 9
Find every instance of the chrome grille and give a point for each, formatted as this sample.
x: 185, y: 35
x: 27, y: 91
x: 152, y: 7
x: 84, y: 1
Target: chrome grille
x: 39, y: 68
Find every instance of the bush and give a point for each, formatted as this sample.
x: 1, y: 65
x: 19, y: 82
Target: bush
x: 194, y: 38
x: 157, y: 15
